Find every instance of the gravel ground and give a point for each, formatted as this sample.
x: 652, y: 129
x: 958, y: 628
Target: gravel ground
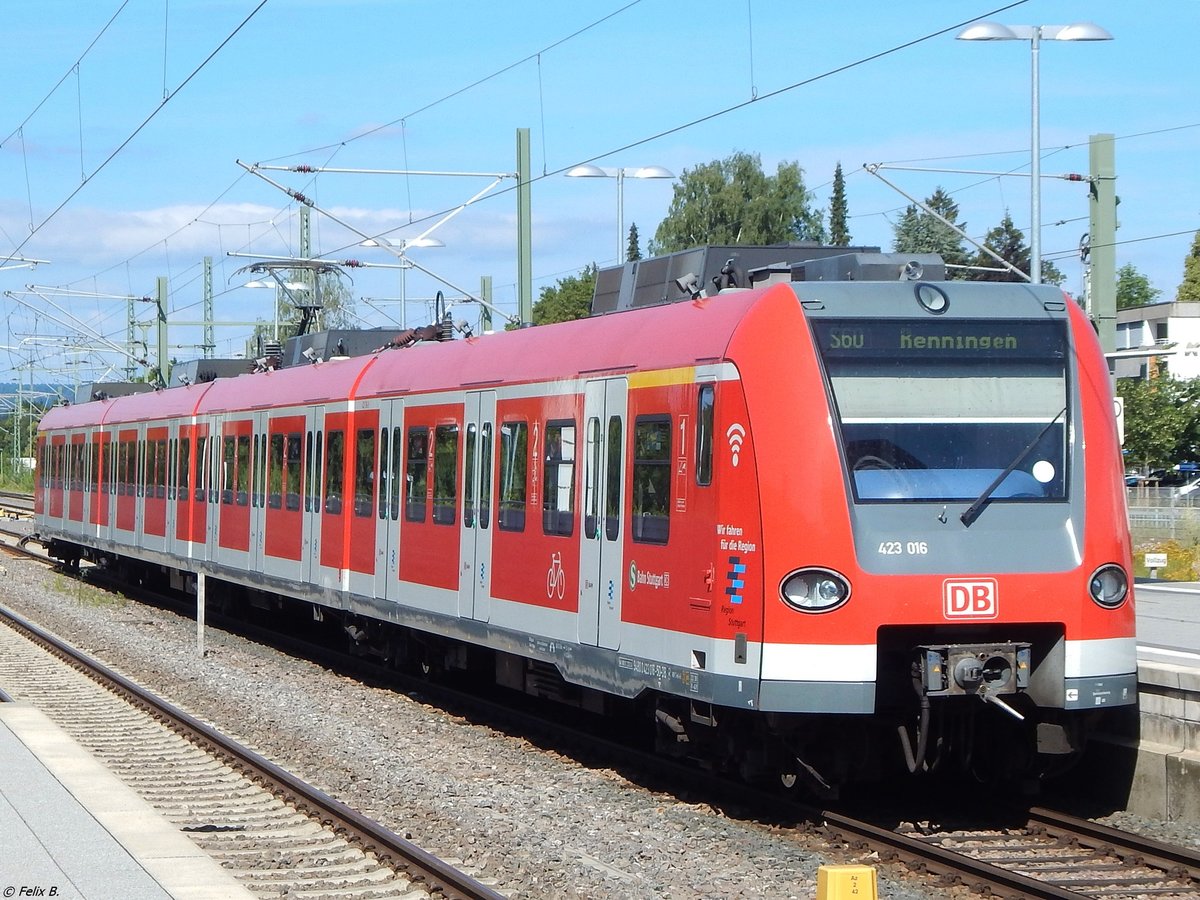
x: 532, y: 823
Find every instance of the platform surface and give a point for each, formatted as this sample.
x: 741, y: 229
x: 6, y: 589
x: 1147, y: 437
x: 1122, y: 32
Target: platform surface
x: 69, y: 828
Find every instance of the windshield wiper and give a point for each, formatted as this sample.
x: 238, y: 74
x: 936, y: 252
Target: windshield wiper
x: 972, y: 512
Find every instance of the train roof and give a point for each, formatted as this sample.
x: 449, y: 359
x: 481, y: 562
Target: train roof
x: 668, y: 336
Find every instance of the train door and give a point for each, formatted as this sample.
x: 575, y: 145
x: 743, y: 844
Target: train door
x: 391, y: 490
x: 283, y: 513
x: 76, y: 459
x: 475, y: 576
x: 154, y: 489
x: 600, y: 558
x: 101, y: 476
x: 314, y: 453
x: 232, y: 475
x: 258, y: 491
x: 191, y: 495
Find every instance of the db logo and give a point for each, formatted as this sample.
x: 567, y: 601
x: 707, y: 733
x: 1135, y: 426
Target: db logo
x: 970, y: 599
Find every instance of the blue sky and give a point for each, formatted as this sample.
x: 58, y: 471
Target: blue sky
x: 115, y: 187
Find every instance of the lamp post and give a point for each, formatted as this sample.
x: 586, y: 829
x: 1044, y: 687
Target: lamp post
x: 589, y: 171
x: 278, y: 288
x: 398, y: 247
x: 1035, y: 34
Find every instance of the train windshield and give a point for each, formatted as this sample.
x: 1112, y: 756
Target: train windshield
x: 938, y: 410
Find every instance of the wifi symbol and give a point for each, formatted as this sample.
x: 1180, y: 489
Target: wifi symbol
x: 737, y: 436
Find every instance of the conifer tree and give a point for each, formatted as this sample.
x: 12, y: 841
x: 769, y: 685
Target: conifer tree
x: 839, y: 233
x: 1189, y: 288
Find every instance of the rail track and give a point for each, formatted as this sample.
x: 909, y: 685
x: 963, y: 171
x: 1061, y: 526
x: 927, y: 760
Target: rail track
x: 1043, y: 854
x: 279, y: 835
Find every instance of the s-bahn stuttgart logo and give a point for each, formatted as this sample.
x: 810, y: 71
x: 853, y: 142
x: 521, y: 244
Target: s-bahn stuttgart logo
x: 970, y: 599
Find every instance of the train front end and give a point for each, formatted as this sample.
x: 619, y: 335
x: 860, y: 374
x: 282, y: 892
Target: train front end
x: 960, y: 596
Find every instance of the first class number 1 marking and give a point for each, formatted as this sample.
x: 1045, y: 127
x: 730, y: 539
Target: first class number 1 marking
x: 903, y: 548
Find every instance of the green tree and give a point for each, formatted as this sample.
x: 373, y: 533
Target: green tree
x: 920, y: 232
x: 570, y: 298
x: 1008, y: 241
x: 1155, y: 419
x: 1189, y: 288
x: 633, y: 251
x: 732, y: 201
x: 839, y: 232
x: 1134, y: 288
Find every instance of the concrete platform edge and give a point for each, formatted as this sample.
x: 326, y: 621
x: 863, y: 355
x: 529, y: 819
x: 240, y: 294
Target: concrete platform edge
x: 182, y: 869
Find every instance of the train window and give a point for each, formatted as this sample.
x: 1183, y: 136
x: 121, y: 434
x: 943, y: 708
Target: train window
x: 936, y: 409
x: 469, y: 477
x: 172, y: 467
x: 291, y: 478
x: 275, y: 471
x: 558, y: 481
x: 256, y: 468
x: 203, y: 468
x: 394, y: 476
x: 416, y: 474
x: 651, y: 479
x: 121, y: 472
x: 93, y: 483
x: 364, y: 472
x: 243, y: 470
x: 310, y: 483
x: 612, y: 480
x: 228, y: 462
x: 185, y: 467
x: 106, y: 458
x: 514, y: 461
x: 591, y: 500
x: 138, y: 465
x: 485, y: 475
x: 335, y: 455
x: 445, y: 474
x: 315, y: 474
x: 704, y: 434
x: 160, y: 469
x: 384, y: 472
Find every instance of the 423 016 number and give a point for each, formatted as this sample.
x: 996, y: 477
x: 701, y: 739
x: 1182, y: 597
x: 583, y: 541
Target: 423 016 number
x: 903, y: 548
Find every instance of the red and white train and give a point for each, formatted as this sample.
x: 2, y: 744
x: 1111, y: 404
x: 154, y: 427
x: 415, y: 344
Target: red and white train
x: 816, y: 530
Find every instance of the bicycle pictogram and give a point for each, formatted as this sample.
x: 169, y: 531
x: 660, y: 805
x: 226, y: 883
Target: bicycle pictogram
x: 556, y: 578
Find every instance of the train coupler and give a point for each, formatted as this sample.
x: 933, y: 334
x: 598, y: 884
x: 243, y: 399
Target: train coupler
x: 984, y: 670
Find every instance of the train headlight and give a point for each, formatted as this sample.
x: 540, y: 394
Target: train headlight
x: 1109, y: 586
x: 814, y: 590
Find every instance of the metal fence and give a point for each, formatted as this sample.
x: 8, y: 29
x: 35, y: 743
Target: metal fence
x: 1159, y: 513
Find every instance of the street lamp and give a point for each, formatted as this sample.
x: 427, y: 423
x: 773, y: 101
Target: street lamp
x: 1035, y: 34
x: 398, y: 247
x: 589, y: 171
x: 278, y: 287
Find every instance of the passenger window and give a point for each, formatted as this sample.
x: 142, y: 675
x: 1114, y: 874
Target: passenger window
x: 445, y: 474
x: 591, y: 502
x: 558, y: 481
x: 384, y: 480
x: 651, y: 478
x: 243, y: 470
x: 275, y: 467
x: 704, y: 435
x: 291, y: 480
x: 514, y: 463
x: 185, y: 467
x: 395, y: 477
x: 612, y: 480
x: 416, y: 474
x: 334, y: 458
x: 364, y: 472
x: 485, y: 475
x: 469, y: 478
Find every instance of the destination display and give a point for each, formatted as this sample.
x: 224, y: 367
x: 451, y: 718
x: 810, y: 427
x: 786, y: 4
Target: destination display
x: 939, y: 338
